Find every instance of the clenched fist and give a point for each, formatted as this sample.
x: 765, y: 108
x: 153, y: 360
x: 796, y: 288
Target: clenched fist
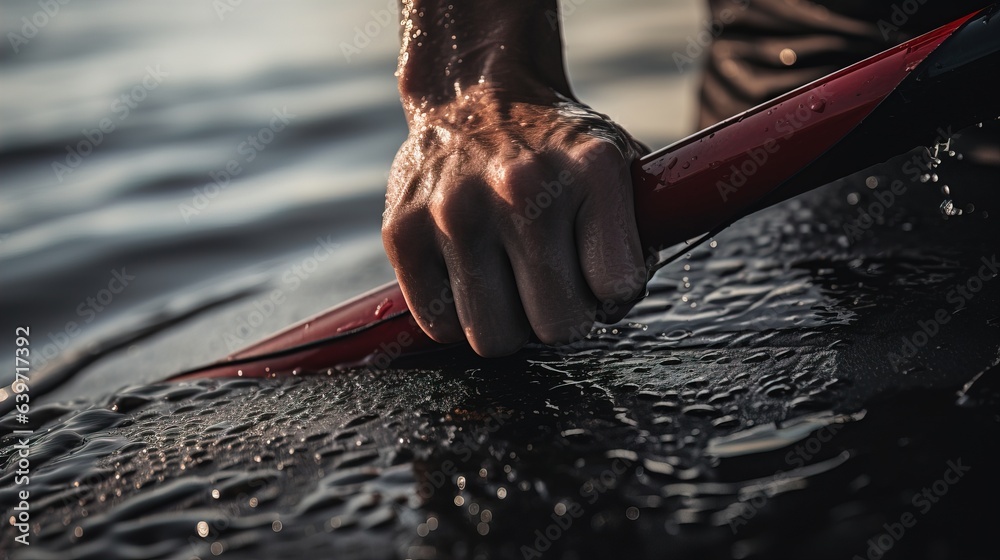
x: 509, y: 208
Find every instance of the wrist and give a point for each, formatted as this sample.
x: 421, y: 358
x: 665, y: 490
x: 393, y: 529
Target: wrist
x: 510, y: 46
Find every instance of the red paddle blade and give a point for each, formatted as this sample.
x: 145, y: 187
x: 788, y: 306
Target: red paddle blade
x: 371, y: 329
x: 722, y: 173
x: 801, y: 140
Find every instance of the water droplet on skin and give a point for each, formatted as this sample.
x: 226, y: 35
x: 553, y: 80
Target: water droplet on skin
x: 871, y: 182
x: 671, y: 162
x: 713, y: 244
x: 945, y: 190
x: 685, y: 165
x: 818, y: 105
x: 853, y: 198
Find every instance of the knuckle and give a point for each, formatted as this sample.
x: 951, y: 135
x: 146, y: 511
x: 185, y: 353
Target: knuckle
x: 522, y: 179
x: 597, y: 152
x: 402, y: 230
x: 458, y: 211
x: 539, y: 191
x: 603, y: 165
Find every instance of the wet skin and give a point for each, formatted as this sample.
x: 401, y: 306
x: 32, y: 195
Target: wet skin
x: 509, y: 208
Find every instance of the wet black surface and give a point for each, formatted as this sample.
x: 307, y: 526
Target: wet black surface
x: 767, y: 421
x: 750, y: 407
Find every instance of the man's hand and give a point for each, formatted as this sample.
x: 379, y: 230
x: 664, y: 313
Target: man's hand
x: 507, y: 190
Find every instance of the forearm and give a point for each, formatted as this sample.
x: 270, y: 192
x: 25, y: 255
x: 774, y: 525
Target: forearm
x: 508, y: 45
